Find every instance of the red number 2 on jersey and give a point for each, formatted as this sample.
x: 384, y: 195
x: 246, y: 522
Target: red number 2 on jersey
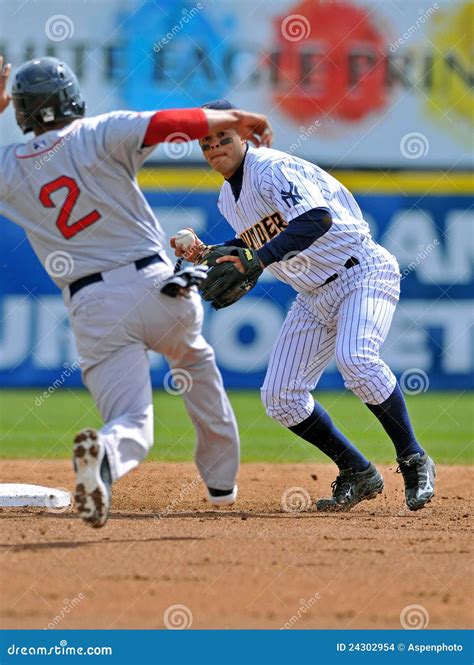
x: 73, y: 191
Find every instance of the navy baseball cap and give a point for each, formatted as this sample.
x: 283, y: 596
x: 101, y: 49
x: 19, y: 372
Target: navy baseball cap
x: 219, y: 105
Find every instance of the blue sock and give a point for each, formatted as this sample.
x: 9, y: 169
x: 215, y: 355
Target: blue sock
x: 393, y: 416
x: 319, y: 430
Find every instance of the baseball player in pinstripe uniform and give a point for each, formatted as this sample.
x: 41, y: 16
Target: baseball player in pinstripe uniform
x: 308, y: 231
x: 73, y: 188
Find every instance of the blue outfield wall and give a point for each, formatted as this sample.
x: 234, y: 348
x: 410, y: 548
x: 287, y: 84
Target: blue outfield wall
x: 430, y: 343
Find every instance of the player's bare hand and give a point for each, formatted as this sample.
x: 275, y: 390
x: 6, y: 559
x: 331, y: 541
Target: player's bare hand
x: 232, y: 259
x: 188, y: 245
x: 254, y: 127
x: 236, y: 261
x: 5, y: 98
x: 178, y: 251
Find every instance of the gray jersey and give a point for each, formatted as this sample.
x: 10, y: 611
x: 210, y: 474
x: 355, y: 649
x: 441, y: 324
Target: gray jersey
x: 75, y: 193
x: 276, y: 188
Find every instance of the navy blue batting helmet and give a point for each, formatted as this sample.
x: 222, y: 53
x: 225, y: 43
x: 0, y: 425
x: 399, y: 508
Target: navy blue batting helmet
x: 46, y: 90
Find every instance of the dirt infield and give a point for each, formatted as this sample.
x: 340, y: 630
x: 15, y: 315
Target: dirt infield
x: 251, y: 566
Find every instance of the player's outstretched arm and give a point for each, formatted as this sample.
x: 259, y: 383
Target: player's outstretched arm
x: 250, y: 126
x: 5, y: 98
x: 195, y: 123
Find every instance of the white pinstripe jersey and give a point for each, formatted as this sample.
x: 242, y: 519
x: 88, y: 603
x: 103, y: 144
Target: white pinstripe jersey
x: 74, y: 191
x: 276, y: 188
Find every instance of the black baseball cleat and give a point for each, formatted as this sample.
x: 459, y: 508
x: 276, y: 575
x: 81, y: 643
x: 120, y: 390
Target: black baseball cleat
x: 352, y: 487
x: 419, y: 473
x: 93, y: 478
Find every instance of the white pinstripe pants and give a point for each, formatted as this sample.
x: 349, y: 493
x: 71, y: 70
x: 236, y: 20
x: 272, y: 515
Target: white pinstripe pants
x: 349, y: 319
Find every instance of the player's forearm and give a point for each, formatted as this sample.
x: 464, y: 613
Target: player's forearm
x: 220, y: 120
x: 250, y: 126
x: 190, y: 124
x: 176, y: 125
x: 298, y: 236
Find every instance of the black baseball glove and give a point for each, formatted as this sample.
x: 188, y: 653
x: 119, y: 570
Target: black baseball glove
x: 224, y: 284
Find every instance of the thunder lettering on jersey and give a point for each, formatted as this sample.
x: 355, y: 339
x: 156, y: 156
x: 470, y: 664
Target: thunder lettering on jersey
x: 276, y: 188
x: 74, y: 192
x: 264, y: 230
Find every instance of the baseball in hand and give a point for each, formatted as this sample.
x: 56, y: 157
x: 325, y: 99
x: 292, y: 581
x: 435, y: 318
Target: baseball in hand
x: 184, y: 239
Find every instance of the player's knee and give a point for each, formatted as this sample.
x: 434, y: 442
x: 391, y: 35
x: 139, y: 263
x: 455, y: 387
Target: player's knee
x: 192, y: 359
x: 273, y: 403
x: 287, y: 407
x: 369, y: 379
x: 355, y: 366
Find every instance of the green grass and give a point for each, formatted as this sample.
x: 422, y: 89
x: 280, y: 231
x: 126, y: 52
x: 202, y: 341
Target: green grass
x: 33, y: 429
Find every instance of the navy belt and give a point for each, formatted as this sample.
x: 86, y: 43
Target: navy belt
x: 80, y: 283
x: 350, y: 263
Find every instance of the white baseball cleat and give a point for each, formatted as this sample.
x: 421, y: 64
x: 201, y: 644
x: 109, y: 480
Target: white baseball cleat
x: 93, y: 479
x: 222, y: 497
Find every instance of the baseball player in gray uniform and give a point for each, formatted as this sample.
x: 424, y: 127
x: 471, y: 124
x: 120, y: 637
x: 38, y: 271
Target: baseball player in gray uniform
x: 72, y: 187
x: 308, y: 230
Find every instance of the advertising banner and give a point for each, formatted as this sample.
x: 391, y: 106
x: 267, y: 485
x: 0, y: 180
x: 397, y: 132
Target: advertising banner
x: 349, y: 83
x: 431, y: 337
